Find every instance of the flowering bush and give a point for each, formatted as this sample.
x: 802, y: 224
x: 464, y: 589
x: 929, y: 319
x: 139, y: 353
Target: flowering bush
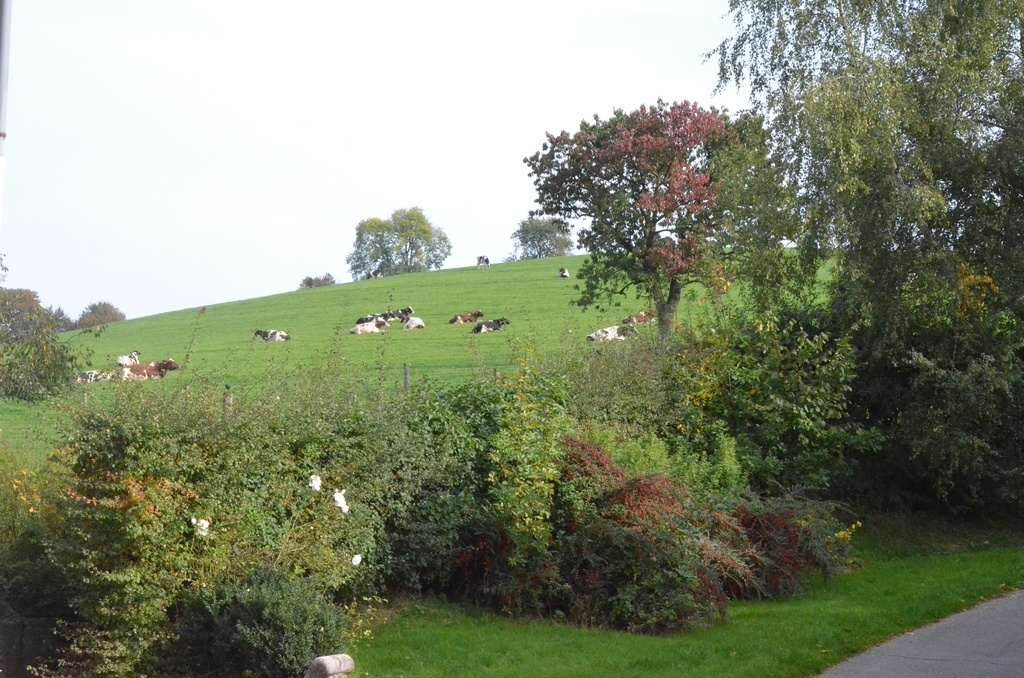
x: 167, y: 499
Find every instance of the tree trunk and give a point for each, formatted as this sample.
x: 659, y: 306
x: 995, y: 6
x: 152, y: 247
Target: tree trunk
x: 666, y: 307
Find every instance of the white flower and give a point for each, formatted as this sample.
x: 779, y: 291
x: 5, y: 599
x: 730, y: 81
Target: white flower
x: 339, y: 500
x: 202, y: 527
x: 314, y: 483
x: 356, y: 559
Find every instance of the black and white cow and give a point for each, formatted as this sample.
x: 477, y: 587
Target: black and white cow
x: 271, y: 335
x: 614, y: 333
x: 414, y: 324
x: 563, y: 273
x: 490, y: 325
x: 93, y: 375
x: 483, y: 261
x: 130, y: 359
x: 387, y: 316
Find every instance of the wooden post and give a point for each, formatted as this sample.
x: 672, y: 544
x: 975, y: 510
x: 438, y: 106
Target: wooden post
x: 228, y: 400
x: 405, y: 381
x: 85, y: 400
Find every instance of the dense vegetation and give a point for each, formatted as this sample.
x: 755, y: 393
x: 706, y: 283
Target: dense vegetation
x: 172, y: 530
x: 641, y: 486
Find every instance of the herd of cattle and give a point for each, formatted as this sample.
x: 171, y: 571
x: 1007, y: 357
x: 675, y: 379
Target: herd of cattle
x: 376, y: 323
x: 131, y: 369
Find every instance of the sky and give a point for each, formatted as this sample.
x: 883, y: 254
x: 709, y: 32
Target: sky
x: 166, y: 156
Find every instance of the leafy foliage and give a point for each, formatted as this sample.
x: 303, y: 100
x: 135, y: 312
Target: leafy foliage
x: 898, y: 126
x: 309, y: 282
x: 268, y: 624
x: 405, y: 243
x: 641, y: 553
x: 641, y: 180
x: 782, y: 395
x: 34, y: 363
x: 169, y: 496
x: 99, y: 313
x: 540, y: 237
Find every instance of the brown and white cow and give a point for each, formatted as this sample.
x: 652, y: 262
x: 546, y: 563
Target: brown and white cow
x: 466, y: 318
x: 369, y: 328
x: 637, y: 318
x: 148, y: 370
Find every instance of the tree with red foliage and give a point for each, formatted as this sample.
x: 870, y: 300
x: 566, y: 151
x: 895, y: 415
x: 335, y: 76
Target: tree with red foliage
x: 641, y: 180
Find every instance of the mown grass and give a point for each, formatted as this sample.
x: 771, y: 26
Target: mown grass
x: 908, y: 573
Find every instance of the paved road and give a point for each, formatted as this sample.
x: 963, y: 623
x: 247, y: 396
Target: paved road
x: 986, y: 641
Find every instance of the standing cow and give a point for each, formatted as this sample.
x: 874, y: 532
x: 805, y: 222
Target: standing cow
x: 484, y: 262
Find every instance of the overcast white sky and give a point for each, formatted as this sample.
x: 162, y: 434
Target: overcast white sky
x: 162, y: 156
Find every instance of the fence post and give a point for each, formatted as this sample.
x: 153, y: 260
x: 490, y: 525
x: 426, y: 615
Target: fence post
x: 85, y: 400
x: 228, y: 399
x: 405, y: 381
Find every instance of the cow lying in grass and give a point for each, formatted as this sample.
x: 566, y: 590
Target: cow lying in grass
x: 271, y: 335
x: 375, y: 327
x: 93, y: 375
x: 466, y: 318
x: 130, y: 359
x: 614, y: 333
x: 637, y: 318
x: 149, y: 370
x: 387, y: 316
x: 414, y: 324
x: 490, y: 325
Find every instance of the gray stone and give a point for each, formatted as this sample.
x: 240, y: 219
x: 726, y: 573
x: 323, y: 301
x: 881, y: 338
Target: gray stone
x: 331, y: 666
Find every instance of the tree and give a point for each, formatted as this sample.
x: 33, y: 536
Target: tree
x: 309, y: 282
x: 405, y: 243
x: 900, y: 126
x: 540, y: 237
x: 99, y: 313
x: 640, y: 179
x: 34, y: 363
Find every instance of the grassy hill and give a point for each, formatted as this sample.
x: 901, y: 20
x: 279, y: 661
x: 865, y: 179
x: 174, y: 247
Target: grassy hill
x: 219, y: 338
x: 217, y: 341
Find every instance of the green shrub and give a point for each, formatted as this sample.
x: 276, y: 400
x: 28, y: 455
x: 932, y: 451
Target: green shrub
x: 167, y: 494
x: 268, y: 624
x: 781, y: 394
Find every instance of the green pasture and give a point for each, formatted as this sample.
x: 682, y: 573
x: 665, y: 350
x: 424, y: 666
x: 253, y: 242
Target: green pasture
x: 216, y: 341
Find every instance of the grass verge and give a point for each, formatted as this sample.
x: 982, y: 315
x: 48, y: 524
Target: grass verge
x: 910, y: 572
